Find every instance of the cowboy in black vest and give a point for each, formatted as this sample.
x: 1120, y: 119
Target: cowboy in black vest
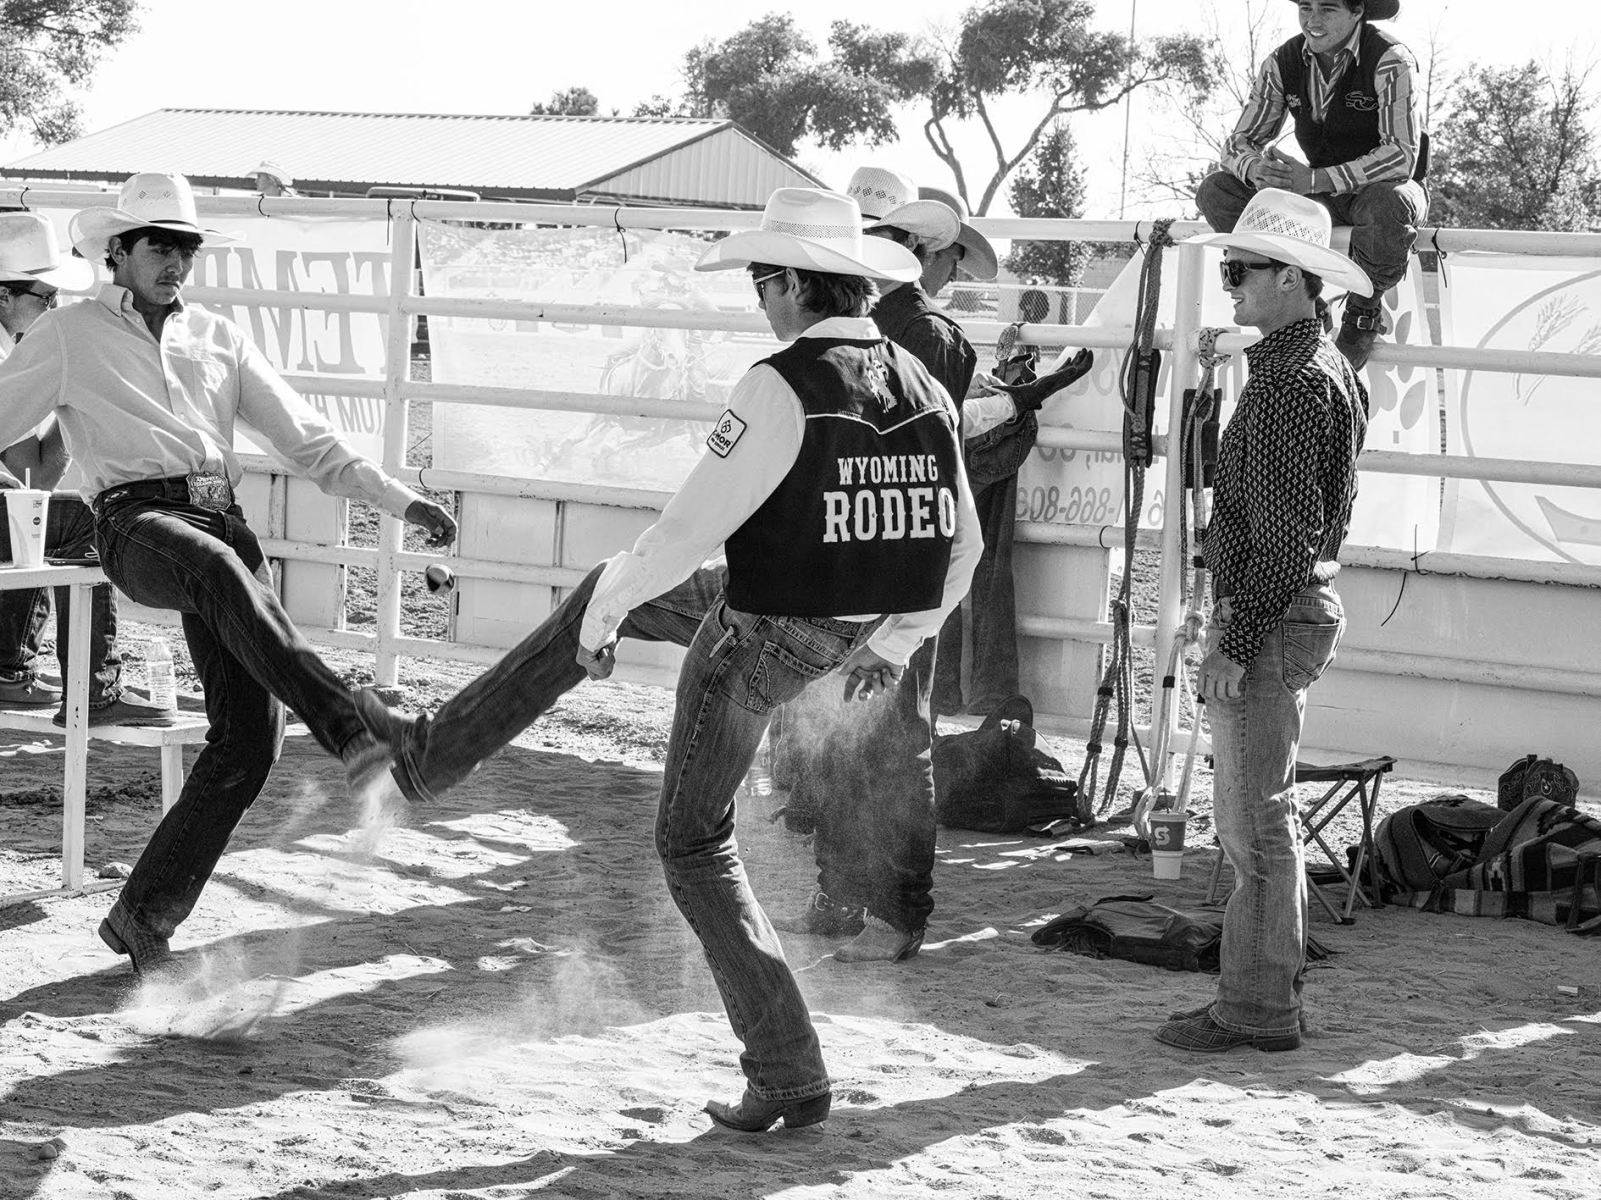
x: 1348, y: 88
x: 835, y: 484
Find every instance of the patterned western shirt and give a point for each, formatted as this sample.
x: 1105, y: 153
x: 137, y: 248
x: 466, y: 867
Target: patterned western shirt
x: 1392, y: 161
x: 1286, y: 479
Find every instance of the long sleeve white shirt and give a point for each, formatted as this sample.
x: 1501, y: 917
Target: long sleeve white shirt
x: 722, y: 492
x: 132, y: 407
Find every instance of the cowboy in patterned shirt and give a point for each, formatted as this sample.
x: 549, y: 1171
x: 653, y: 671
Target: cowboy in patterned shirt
x: 1347, y: 88
x: 1286, y: 479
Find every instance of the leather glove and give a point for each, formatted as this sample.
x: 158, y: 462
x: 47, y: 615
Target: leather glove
x: 1029, y: 396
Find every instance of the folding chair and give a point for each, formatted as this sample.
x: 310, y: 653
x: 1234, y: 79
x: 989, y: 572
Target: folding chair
x: 1357, y: 781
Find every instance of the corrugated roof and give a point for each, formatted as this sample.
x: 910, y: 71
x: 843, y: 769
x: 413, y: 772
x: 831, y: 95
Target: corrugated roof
x: 533, y: 157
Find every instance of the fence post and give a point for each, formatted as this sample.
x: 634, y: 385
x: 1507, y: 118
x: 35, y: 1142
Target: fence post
x: 1170, y: 594
x: 397, y: 372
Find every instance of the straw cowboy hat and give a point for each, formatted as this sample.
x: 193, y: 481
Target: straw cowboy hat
x: 29, y: 252
x: 1291, y: 229
x: 978, y: 259
x: 147, y: 199
x: 1380, y: 10
x: 889, y: 200
x: 813, y: 230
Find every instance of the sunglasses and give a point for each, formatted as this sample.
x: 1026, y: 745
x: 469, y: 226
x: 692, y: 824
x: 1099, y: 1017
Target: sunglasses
x: 1233, y: 270
x: 758, y: 280
x: 48, y: 299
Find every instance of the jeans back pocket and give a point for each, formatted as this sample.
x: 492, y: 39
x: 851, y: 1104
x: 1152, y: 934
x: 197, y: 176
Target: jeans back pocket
x: 1309, y: 649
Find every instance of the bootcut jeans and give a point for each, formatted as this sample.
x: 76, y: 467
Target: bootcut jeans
x: 251, y: 661
x: 1255, y: 737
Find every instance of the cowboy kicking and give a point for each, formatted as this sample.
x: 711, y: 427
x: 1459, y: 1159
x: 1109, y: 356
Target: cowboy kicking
x: 147, y: 390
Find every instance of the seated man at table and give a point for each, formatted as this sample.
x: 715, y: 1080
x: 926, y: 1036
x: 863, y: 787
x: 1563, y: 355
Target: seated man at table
x: 32, y: 271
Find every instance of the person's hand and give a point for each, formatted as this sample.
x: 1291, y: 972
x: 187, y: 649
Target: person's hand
x: 868, y: 673
x: 425, y: 514
x: 1221, y: 678
x: 600, y: 662
x: 1029, y: 396
x: 1294, y: 175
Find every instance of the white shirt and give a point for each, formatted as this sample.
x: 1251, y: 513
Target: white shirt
x: 132, y: 407
x: 721, y: 493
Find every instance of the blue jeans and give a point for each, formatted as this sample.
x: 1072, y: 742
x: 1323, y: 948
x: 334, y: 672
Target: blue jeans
x: 865, y: 772
x: 209, y: 567
x: 69, y: 533
x: 1383, y: 217
x: 443, y: 749
x: 1254, y: 741
x: 739, y: 667
x: 991, y: 662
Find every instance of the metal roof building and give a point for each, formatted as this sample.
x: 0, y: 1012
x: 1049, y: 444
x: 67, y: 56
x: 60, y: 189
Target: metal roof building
x: 635, y: 160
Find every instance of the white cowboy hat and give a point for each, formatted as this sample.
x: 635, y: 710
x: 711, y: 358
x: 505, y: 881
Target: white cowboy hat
x: 1291, y: 229
x: 813, y: 230
x: 149, y: 198
x: 270, y: 168
x: 1380, y: 10
x: 978, y: 259
x: 889, y: 199
x: 29, y: 251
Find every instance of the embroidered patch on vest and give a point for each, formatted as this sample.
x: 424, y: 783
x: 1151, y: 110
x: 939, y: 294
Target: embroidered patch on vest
x: 725, y: 434
x: 1361, y: 102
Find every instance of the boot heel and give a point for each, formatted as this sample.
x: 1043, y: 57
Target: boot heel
x: 109, y: 937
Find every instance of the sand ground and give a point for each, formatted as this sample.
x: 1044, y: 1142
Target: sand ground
x: 495, y: 998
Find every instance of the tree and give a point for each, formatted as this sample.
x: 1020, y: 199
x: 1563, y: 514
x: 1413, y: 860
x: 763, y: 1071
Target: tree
x: 1050, y: 184
x: 574, y: 102
x: 48, y: 48
x: 1516, y: 152
x: 770, y: 78
x: 1045, y: 49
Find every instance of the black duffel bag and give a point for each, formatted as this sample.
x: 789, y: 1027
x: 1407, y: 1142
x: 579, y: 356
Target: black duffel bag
x: 997, y: 779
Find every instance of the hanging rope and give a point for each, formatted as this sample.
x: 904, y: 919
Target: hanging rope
x: 1137, y: 387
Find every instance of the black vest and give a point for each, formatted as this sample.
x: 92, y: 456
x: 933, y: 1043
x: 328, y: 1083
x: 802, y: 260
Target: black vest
x: 864, y: 520
x: 1350, y: 127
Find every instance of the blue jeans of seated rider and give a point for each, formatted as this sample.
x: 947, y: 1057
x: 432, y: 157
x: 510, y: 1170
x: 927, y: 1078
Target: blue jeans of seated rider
x: 69, y: 533
x: 872, y: 786
x: 443, y: 749
x: 1254, y: 742
x: 738, y: 668
x: 251, y: 661
x: 1384, y: 220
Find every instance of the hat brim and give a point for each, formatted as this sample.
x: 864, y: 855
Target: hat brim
x: 73, y: 275
x: 91, y: 228
x: 929, y: 219
x: 978, y: 256
x: 881, y: 259
x: 1333, y: 267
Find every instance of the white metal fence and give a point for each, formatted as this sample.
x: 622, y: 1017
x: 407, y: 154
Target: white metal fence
x: 398, y: 388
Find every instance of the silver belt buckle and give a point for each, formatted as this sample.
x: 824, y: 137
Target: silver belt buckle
x: 209, y: 490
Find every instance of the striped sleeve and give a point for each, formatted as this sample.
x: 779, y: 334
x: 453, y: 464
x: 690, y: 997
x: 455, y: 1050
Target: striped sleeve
x: 1259, y: 124
x: 1397, y: 152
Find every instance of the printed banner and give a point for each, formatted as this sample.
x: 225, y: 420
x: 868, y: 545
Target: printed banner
x: 645, y: 269
x: 1553, y: 305
x: 1083, y: 487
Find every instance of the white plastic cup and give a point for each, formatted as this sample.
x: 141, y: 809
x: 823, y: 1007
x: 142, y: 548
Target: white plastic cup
x: 1167, y: 843
x: 25, y: 515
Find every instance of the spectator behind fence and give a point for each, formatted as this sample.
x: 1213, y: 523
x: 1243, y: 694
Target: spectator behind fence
x: 32, y: 272
x: 1347, y: 87
x: 148, y: 390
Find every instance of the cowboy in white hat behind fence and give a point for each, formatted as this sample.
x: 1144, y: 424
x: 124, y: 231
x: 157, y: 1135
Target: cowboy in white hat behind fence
x: 1347, y: 87
x: 148, y: 390
x: 32, y: 274
x: 1285, y: 483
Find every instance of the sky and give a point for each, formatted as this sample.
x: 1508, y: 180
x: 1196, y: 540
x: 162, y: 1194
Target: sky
x: 500, y: 56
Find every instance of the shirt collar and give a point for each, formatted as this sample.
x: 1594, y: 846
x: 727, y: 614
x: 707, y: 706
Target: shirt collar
x: 1296, y: 334
x: 860, y: 329
x: 119, y: 300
